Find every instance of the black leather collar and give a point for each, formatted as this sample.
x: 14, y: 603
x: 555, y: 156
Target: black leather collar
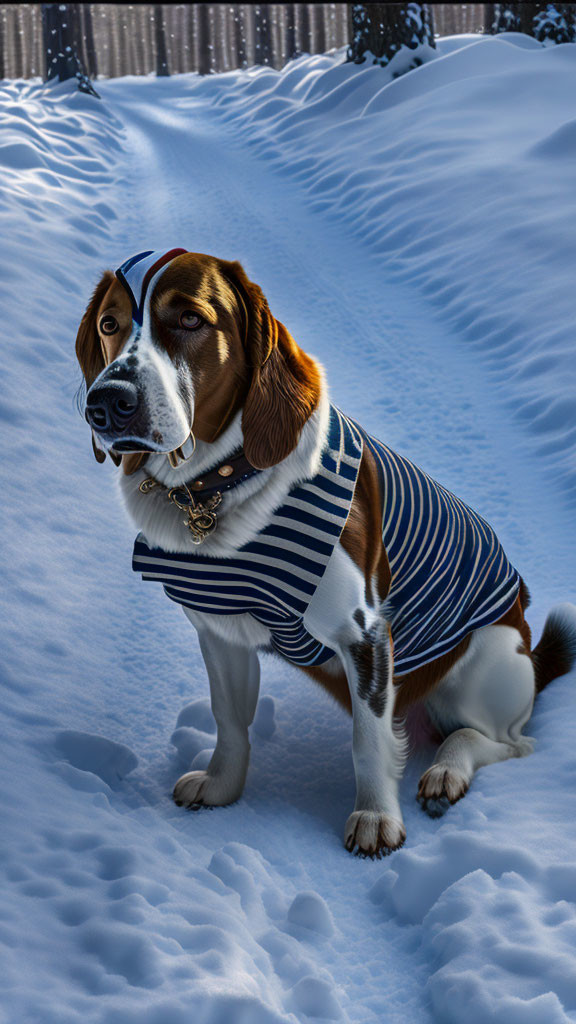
x: 223, y: 477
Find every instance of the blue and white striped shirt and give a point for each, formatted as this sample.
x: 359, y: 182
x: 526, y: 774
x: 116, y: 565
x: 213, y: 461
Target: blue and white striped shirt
x: 449, y: 573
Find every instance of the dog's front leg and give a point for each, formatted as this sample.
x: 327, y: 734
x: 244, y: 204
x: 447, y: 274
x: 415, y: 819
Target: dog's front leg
x: 234, y: 674
x: 375, y: 827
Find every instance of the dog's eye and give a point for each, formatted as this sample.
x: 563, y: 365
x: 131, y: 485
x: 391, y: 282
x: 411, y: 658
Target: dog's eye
x: 109, y: 325
x: 190, y: 320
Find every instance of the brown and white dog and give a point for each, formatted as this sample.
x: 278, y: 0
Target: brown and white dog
x: 208, y: 359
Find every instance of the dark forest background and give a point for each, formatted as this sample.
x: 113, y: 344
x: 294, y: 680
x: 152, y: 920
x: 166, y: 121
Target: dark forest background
x: 125, y: 39
x: 109, y: 40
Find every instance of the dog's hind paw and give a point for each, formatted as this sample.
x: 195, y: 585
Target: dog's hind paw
x: 439, y: 788
x: 373, y: 834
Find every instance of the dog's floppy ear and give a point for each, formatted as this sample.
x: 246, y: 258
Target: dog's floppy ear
x: 88, y: 348
x: 89, y: 351
x: 284, y: 384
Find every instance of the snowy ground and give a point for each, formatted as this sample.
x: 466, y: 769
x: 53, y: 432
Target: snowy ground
x: 417, y: 236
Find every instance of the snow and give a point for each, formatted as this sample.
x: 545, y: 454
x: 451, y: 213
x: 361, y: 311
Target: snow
x: 416, y: 235
x: 95, y: 755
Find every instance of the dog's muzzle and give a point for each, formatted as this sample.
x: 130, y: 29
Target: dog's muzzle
x: 111, y: 406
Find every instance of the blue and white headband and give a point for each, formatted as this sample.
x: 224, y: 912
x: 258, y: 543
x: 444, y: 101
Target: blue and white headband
x: 137, y: 272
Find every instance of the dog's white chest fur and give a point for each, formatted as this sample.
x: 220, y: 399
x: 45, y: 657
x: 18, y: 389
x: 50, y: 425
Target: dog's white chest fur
x: 245, y: 510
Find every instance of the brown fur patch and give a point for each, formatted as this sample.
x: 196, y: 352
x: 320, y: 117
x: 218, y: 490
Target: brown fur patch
x: 514, y: 617
x: 283, y: 395
x: 215, y: 352
x: 362, y: 535
x: 361, y: 539
x: 285, y: 382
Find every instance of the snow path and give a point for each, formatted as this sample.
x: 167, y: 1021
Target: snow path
x: 152, y: 915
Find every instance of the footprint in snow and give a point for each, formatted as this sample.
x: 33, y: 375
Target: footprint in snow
x: 109, y: 760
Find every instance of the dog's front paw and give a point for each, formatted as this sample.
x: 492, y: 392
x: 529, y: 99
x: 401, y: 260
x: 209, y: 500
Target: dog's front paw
x: 439, y: 788
x: 199, y: 789
x: 373, y: 834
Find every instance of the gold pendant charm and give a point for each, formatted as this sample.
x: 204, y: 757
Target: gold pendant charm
x: 201, y: 519
x: 201, y: 522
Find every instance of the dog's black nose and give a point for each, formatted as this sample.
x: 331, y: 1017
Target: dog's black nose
x: 111, y: 406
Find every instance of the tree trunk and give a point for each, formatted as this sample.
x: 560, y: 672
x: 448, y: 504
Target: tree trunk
x: 17, y: 47
x: 318, y: 28
x: 74, y: 19
x: 262, y: 34
x: 290, y: 37
x: 2, y: 49
x: 379, y: 31
x: 90, y: 46
x: 203, y: 38
x: 304, y: 29
x: 62, y: 61
x: 238, y: 38
x: 162, y: 69
x: 549, y: 23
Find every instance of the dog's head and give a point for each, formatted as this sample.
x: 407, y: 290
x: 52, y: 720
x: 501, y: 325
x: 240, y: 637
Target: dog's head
x: 180, y: 342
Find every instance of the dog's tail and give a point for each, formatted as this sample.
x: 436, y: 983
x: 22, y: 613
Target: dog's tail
x: 555, y: 654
